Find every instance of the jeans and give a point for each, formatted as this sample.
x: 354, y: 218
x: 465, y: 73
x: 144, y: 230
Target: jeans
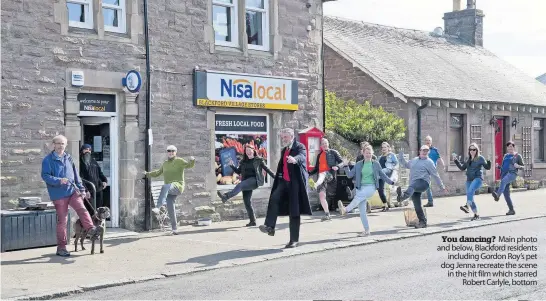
x: 381, y: 191
x: 471, y: 187
x: 504, y: 188
x: 168, y: 193
x: 61, y: 206
x: 281, y: 192
x: 246, y: 186
x: 361, y: 200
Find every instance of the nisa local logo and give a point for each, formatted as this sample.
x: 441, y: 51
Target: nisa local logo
x: 242, y: 88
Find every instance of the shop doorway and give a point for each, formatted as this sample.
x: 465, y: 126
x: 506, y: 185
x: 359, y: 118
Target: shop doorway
x: 101, y: 134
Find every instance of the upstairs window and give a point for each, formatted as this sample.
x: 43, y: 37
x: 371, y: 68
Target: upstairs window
x: 80, y: 13
x: 224, y: 20
x: 257, y: 24
x: 113, y: 12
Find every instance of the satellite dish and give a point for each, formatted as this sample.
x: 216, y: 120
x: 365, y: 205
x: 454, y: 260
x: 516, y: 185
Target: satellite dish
x: 438, y: 31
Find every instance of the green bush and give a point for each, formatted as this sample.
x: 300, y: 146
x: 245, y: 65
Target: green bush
x: 362, y: 122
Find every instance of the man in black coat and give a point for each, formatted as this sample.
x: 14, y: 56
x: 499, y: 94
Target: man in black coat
x: 91, y: 171
x: 289, y: 192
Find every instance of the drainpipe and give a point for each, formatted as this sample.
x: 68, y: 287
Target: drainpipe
x: 148, y: 153
x: 322, y: 62
x: 419, y: 125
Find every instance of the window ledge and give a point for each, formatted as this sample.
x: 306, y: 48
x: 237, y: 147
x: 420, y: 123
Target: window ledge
x: 539, y: 165
x: 263, y: 53
x: 227, y: 49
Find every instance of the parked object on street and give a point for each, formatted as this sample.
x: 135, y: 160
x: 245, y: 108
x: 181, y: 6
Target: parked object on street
x: 410, y: 216
x: 204, y: 222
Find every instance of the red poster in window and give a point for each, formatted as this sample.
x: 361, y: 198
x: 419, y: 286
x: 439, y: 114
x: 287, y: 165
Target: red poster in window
x: 499, y: 146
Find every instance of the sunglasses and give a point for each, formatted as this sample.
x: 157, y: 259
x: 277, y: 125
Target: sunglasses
x: 171, y: 151
x: 472, y: 149
x: 424, y: 150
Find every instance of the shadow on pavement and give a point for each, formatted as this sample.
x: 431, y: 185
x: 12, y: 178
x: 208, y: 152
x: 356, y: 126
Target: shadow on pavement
x: 216, y: 258
x: 205, y: 229
x: 51, y: 258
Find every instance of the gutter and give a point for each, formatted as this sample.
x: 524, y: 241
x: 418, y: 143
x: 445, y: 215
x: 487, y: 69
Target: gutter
x: 323, y: 85
x: 148, y: 153
x: 419, y: 109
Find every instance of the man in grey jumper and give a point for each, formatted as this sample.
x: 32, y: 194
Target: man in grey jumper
x: 421, y: 169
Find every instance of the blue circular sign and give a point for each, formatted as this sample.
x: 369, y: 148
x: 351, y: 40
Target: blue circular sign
x: 133, y: 81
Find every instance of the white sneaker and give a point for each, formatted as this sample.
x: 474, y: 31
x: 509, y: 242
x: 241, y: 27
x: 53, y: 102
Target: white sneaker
x: 155, y: 210
x: 364, y: 234
x: 342, y: 209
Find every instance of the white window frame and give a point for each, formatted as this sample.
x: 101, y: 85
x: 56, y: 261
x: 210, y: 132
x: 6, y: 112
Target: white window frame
x: 268, y: 133
x: 122, y: 11
x: 234, y: 23
x: 265, y: 26
x: 88, y: 4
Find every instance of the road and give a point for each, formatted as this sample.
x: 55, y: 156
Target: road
x: 408, y: 268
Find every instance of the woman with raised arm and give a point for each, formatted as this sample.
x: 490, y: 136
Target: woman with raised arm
x: 474, y: 176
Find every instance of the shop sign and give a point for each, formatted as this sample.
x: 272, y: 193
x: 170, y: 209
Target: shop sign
x: 133, y: 81
x: 97, y: 102
x: 215, y: 89
x: 240, y: 123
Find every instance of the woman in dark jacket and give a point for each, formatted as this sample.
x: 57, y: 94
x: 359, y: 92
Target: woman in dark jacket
x: 474, y: 176
x: 251, y: 170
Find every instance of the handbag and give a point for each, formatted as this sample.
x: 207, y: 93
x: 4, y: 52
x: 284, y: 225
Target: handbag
x: 410, y: 216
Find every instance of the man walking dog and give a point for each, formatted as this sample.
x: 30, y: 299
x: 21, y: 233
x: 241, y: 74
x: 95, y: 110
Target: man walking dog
x: 65, y: 188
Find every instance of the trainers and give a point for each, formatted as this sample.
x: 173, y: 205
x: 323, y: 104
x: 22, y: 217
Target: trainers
x: 364, y: 234
x: 475, y: 218
x: 63, y: 253
x: 495, y: 196
x: 251, y: 224
x: 326, y: 218
x: 420, y: 225
x: 511, y: 212
x: 222, y: 196
x: 464, y: 209
x: 342, y: 209
x: 155, y: 211
x: 428, y: 205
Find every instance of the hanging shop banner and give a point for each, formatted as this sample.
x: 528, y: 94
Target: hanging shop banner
x: 97, y: 102
x: 215, y: 89
x: 240, y: 123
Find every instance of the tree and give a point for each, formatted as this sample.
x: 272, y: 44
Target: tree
x: 362, y: 122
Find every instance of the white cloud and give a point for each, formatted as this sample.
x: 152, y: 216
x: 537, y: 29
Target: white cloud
x: 513, y: 30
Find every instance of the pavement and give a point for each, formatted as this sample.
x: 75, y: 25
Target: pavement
x: 385, y: 271
x: 39, y: 274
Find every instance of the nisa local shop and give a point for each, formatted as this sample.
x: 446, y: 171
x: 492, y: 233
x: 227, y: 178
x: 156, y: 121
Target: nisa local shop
x: 241, y: 109
x: 231, y: 90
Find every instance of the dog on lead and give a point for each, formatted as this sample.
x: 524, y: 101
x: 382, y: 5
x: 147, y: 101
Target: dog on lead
x: 99, y: 219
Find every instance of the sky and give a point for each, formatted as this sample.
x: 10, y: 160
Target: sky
x: 514, y: 30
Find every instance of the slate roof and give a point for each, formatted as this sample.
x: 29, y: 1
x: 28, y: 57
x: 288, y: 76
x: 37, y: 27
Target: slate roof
x: 542, y: 78
x: 419, y: 65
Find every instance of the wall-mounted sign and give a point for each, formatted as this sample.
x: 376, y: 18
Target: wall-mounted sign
x: 132, y: 81
x: 240, y: 123
x: 244, y: 91
x: 97, y: 102
x: 77, y: 78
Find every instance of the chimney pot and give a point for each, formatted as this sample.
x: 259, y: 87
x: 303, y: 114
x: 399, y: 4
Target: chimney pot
x: 456, y: 5
x: 470, y: 4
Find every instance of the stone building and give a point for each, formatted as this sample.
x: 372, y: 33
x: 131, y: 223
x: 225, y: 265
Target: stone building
x: 64, y: 61
x: 461, y: 91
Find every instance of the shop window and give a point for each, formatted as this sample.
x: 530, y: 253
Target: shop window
x: 538, y: 133
x: 257, y: 24
x: 80, y: 13
x: 224, y: 20
x: 113, y: 12
x: 456, y: 136
x: 232, y: 133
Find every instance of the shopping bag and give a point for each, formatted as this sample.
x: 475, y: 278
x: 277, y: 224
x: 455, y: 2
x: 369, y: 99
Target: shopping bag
x: 410, y: 216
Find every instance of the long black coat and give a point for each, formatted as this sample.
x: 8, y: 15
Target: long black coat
x: 298, y: 201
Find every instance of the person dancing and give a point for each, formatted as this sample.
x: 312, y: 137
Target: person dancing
x: 421, y: 169
x: 367, y: 174
x: 251, y: 170
x: 328, y: 162
x: 474, y: 176
x: 512, y: 162
x: 389, y: 163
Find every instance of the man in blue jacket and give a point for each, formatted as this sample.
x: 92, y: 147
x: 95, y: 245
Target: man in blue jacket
x: 65, y: 188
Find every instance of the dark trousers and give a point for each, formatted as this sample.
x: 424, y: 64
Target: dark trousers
x: 281, y: 193
x: 415, y: 192
x: 381, y: 191
x: 100, y: 201
x: 246, y: 186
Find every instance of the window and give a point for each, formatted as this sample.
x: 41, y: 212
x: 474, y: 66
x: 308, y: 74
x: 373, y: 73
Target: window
x: 113, y: 12
x: 476, y: 135
x: 538, y: 137
x: 456, y: 142
x: 257, y: 24
x: 233, y: 132
x: 80, y: 13
x: 224, y: 20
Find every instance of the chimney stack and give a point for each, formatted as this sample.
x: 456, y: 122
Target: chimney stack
x: 466, y: 24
